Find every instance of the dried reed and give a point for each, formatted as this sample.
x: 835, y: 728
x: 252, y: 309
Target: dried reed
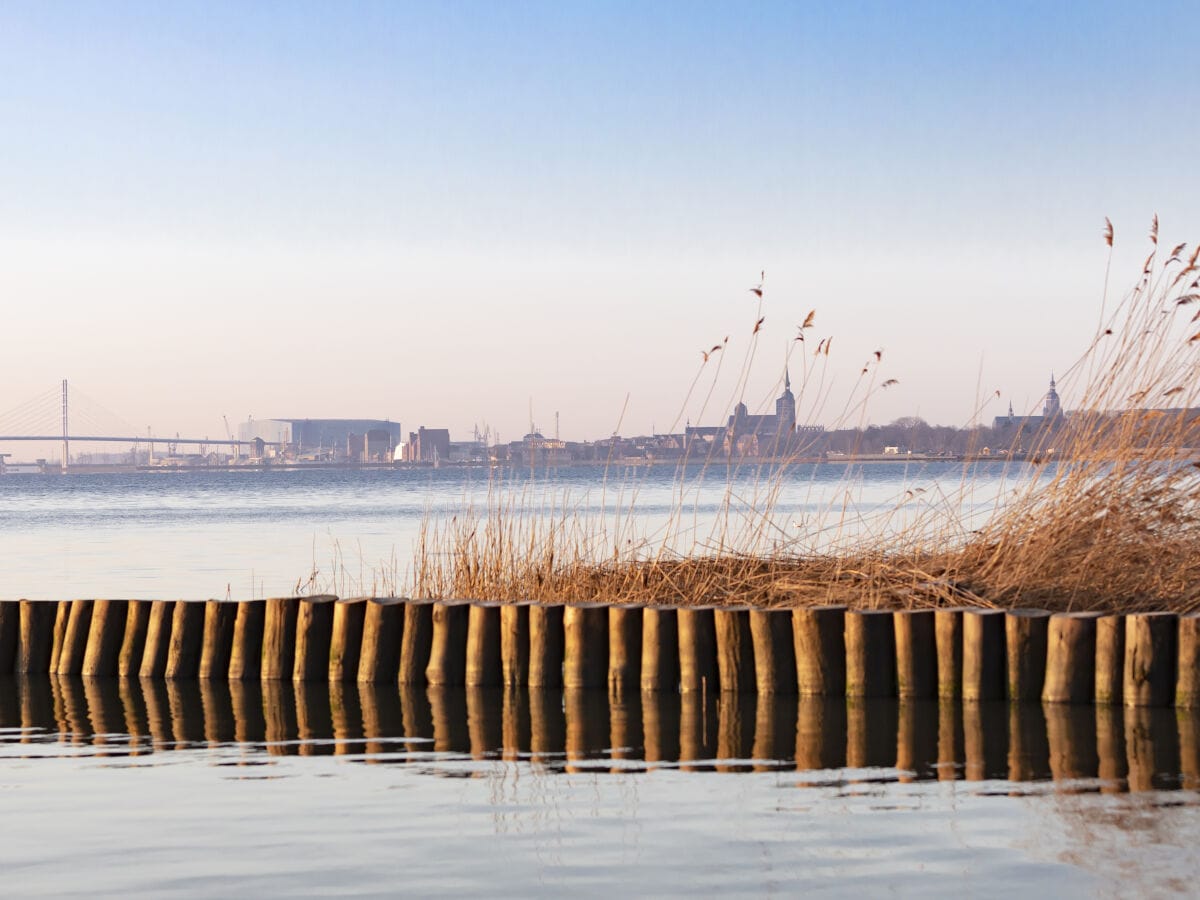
x: 1100, y: 513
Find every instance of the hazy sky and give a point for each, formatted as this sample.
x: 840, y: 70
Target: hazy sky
x: 436, y: 212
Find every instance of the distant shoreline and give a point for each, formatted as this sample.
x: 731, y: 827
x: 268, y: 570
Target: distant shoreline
x: 624, y: 462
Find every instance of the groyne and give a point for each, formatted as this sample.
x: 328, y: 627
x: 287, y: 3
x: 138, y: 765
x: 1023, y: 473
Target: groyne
x: 1137, y: 659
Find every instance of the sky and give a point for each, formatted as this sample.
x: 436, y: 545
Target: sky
x: 452, y: 214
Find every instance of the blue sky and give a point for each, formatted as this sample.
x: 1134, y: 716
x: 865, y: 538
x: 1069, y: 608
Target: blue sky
x: 437, y: 212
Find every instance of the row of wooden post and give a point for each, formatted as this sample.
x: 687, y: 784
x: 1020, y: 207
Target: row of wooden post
x: 1139, y: 659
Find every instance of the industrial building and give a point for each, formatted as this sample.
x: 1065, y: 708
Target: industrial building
x: 335, y: 440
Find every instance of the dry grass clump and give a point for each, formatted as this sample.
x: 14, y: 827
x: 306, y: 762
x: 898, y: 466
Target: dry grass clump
x: 1104, y: 515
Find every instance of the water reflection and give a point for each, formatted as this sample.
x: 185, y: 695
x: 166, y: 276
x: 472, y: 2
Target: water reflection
x: 1078, y: 748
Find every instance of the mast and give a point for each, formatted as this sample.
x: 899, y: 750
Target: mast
x: 66, y: 447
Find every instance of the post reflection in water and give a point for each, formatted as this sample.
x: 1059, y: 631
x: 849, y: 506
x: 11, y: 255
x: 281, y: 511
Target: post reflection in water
x: 917, y: 744
x: 872, y: 724
x: 1071, y: 741
x: 1112, y: 764
x: 346, y: 715
x: 547, y: 725
x: 1028, y: 748
x: 775, y: 730
x: 625, y: 723
x: 660, y: 726
x: 820, y: 733
x: 735, y: 729
x: 950, y: 740
x: 517, y: 724
x: 1152, y: 748
x: 985, y: 739
x: 383, y: 720
x: 588, y: 729
x: 485, y: 721
x: 697, y: 729
x: 1081, y: 748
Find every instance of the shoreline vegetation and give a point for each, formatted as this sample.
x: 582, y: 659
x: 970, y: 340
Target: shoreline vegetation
x: 1101, y: 512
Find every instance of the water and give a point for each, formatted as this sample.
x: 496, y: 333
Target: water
x: 189, y: 788
x: 196, y: 535
x: 211, y: 788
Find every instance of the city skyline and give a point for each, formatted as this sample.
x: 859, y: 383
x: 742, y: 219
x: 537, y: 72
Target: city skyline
x: 414, y: 211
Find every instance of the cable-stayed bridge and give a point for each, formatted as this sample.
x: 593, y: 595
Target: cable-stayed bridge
x: 65, y: 414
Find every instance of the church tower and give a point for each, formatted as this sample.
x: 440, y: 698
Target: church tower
x: 1053, y: 408
x: 785, y: 409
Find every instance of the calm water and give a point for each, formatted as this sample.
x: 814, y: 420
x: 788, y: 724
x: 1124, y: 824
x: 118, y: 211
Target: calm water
x: 213, y: 788
x: 197, y: 535
x: 184, y: 789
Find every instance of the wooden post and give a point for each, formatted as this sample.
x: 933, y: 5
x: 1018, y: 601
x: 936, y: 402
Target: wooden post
x: 105, y: 636
x: 417, y: 641
x: 546, y: 646
x: 774, y: 653
x: 697, y: 650
x: 585, y: 646
x: 1187, y: 683
x: 870, y: 653
x: 819, y: 636
x: 624, y: 649
x: 1150, y: 658
x: 483, y: 667
x: 514, y: 644
x: 448, y: 652
x: 1025, y: 635
x: 133, y: 644
x: 382, y: 640
x: 158, y: 639
x: 62, y: 615
x: 187, y: 640
x: 916, y: 654
x: 1071, y: 658
x: 984, y: 654
x: 345, y: 645
x: 245, y: 656
x: 314, y: 636
x: 10, y: 630
x: 75, y: 638
x: 660, y: 650
x: 735, y: 649
x: 947, y: 626
x: 36, y: 636
x: 1110, y: 658
x: 217, y: 645
x: 279, y: 638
